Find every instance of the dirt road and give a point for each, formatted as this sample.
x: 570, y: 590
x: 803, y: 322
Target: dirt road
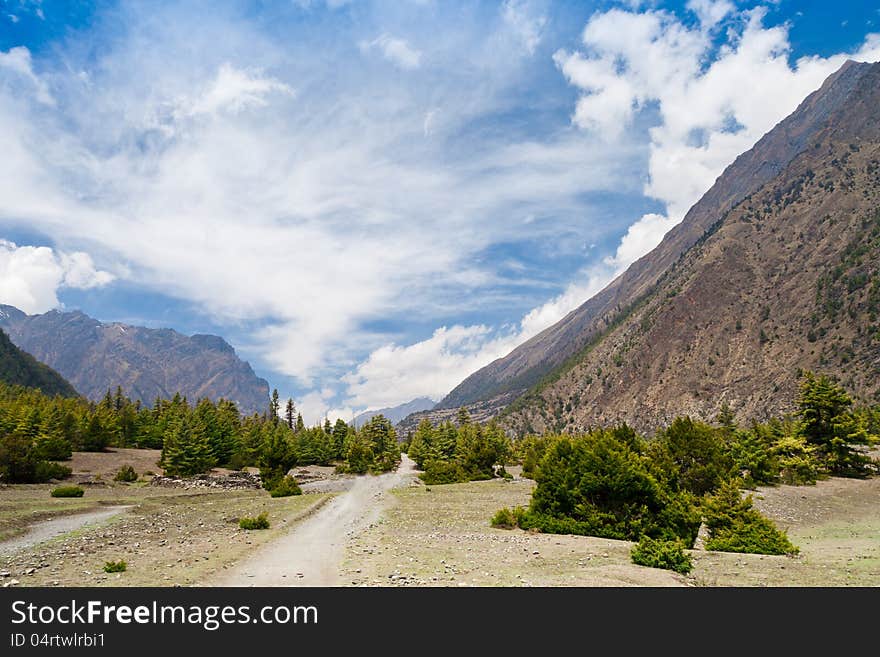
x: 43, y: 531
x: 311, y: 553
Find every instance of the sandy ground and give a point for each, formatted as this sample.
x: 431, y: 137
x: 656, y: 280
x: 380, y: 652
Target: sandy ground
x: 311, y: 553
x: 440, y: 536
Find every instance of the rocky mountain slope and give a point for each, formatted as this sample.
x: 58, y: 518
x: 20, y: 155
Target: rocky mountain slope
x: 146, y: 363
x: 537, y: 357
x: 21, y: 369
x: 788, y: 279
x: 757, y: 281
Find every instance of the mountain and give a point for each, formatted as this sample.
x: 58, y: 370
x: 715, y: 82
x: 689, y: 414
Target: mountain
x: 146, y: 363
x: 774, y: 269
x: 396, y: 413
x: 21, y: 369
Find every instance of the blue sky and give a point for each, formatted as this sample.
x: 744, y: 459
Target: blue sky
x: 370, y: 200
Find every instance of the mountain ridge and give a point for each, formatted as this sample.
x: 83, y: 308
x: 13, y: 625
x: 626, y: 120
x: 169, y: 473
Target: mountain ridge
x: 537, y: 357
x: 146, y: 363
x: 787, y: 280
x: 19, y: 368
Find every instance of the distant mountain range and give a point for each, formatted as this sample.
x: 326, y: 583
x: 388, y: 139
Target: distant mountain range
x: 146, y: 363
x: 775, y: 269
x: 396, y: 413
x: 19, y: 368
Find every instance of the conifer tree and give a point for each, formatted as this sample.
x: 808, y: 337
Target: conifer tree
x: 186, y: 451
x: 290, y: 413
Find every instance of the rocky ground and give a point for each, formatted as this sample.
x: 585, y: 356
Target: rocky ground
x: 172, y: 533
x: 166, y: 540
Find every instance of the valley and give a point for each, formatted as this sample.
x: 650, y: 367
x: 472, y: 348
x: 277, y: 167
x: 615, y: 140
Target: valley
x: 422, y: 536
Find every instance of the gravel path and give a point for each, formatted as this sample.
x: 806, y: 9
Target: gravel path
x: 46, y: 529
x: 311, y: 553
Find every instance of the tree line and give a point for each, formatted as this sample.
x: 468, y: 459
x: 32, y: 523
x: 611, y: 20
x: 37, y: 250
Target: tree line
x: 37, y: 431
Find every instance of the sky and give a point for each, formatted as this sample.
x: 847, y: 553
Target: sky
x: 371, y: 200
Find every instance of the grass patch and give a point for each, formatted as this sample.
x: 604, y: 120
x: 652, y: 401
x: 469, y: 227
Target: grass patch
x: 115, y: 566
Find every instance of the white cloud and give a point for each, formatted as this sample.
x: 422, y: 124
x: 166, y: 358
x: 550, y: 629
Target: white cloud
x: 175, y: 150
x: 393, y: 374
x: 633, y: 61
x: 711, y: 12
x: 30, y: 277
x: 652, y: 61
x: 397, y: 51
x: 525, y: 21
x: 18, y: 62
x: 235, y: 90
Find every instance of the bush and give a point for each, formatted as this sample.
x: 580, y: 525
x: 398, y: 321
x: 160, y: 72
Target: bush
x: 735, y: 526
x: 669, y: 555
x: 260, y: 522
x: 115, y: 566
x: 67, y: 491
x: 599, y: 484
x: 127, y: 474
x: 46, y: 471
x: 286, y: 487
x: 443, y: 472
x: 506, y: 519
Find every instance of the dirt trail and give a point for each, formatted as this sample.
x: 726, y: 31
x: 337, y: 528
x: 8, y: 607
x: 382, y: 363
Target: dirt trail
x: 311, y: 553
x: 46, y: 529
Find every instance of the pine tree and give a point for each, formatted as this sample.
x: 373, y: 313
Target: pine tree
x: 186, y: 451
x: 274, y: 407
x: 340, y: 430
x: 276, y: 457
x: 380, y: 435
x: 290, y: 413
x: 828, y: 422
x: 422, y: 448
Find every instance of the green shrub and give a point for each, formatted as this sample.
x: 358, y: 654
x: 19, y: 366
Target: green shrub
x: 669, y: 555
x: 67, y: 491
x: 443, y: 472
x: 47, y: 470
x: 126, y: 473
x: 504, y: 519
x: 600, y: 484
x: 115, y: 566
x: 260, y: 522
x: 735, y: 526
x: 286, y: 487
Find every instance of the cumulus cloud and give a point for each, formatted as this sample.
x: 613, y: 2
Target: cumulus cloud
x: 30, y: 276
x: 16, y: 62
x: 711, y: 12
x: 397, y: 51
